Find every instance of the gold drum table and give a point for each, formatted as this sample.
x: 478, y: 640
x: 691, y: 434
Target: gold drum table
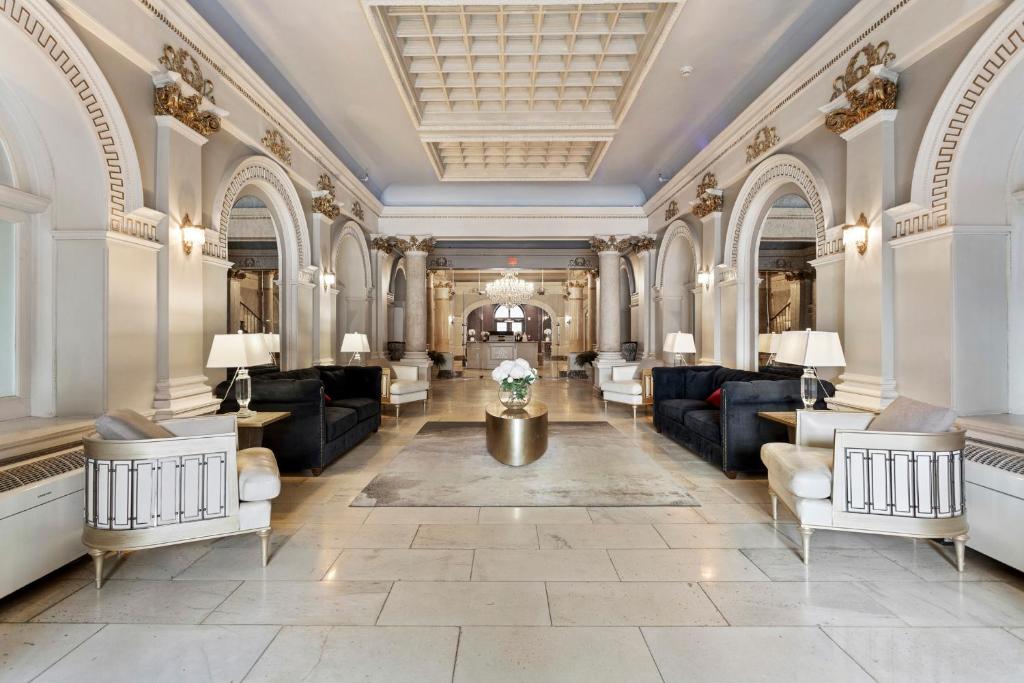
x: 517, y: 436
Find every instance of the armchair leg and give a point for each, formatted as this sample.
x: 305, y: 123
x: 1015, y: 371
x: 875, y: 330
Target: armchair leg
x: 398, y: 410
x: 264, y: 535
x: 97, y: 561
x: 634, y: 413
x: 960, y: 543
x: 805, y: 535
x: 775, y: 505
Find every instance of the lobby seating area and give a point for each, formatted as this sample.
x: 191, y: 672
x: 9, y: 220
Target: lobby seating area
x: 645, y: 341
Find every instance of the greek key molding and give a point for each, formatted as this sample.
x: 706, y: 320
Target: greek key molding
x: 124, y: 185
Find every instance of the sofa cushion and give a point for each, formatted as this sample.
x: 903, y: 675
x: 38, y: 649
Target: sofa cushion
x: 258, y: 476
x: 700, y: 383
x: 908, y: 415
x: 706, y: 423
x: 675, y: 408
x: 625, y: 373
x: 804, y: 471
x: 128, y: 425
x: 406, y: 386
x: 339, y: 420
x: 715, y: 398
x: 365, y: 407
x: 629, y: 386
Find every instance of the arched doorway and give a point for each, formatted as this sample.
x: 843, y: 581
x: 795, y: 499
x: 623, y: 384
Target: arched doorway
x: 774, y: 178
x: 265, y: 181
x: 396, y: 304
x: 350, y: 258
x: 254, y: 298
x: 678, y: 259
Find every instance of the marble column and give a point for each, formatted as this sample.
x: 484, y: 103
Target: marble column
x: 441, y: 332
x: 609, y: 331
x: 574, y: 323
x: 381, y: 271
x: 416, y: 306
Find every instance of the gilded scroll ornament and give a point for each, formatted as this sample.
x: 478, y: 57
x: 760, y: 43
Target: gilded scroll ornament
x: 709, y: 197
x: 357, y: 210
x: 672, y: 210
x: 274, y: 141
x: 324, y: 202
x: 856, y: 102
x: 182, y: 62
x: 764, y: 140
x: 170, y: 101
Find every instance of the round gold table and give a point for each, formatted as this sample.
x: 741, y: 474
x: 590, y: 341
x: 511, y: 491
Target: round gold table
x: 517, y: 436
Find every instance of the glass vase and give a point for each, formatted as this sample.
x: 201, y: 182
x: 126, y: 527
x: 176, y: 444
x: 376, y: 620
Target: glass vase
x: 514, y: 397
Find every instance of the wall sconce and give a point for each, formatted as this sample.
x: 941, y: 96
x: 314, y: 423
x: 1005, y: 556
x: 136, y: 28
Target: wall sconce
x: 327, y: 279
x: 856, y: 234
x: 191, y: 235
x: 704, y: 279
x: 568, y: 320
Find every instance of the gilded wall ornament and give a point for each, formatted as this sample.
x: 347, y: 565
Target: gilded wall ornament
x: 672, y: 210
x: 600, y: 244
x: 391, y: 244
x: 382, y: 244
x: 323, y: 199
x: 275, y: 142
x: 357, y: 210
x: 170, y: 101
x: 851, y: 102
x: 641, y: 244
x: 709, y: 197
x: 764, y: 140
x: 182, y: 62
x: 636, y: 244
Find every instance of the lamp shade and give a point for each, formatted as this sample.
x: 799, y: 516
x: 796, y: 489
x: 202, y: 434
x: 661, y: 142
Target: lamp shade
x: 669, y: 339
x: 769, y: 343
x: 238, y: 351
x: 354, y: 342
x: 812, y: 349
x: 682, y: 342
x: 273, y: 341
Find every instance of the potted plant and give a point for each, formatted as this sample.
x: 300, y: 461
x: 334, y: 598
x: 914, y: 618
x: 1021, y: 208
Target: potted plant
x: 514, y: 378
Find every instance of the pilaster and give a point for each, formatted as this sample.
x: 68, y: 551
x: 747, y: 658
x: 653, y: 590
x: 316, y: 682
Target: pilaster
x: 709, y: 299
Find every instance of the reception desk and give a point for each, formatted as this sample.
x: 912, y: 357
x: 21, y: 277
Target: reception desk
x: 488, y: 355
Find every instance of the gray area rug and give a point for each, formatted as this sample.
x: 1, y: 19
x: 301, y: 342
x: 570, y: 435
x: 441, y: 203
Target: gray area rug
x: 586, y: 464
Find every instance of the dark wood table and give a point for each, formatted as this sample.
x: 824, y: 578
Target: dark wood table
x: 250, y: 429
x: 786, y: 417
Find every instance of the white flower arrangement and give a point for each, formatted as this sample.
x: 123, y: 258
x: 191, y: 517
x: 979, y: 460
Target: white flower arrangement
x: 515, y: 376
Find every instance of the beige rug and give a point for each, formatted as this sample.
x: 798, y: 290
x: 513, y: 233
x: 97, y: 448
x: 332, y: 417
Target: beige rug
x: 587, y: 464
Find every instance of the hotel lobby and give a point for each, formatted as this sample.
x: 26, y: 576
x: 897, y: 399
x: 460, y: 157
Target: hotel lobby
x: 566, y: 340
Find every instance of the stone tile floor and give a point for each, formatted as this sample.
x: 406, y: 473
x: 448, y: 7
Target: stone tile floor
x: 715, y: 593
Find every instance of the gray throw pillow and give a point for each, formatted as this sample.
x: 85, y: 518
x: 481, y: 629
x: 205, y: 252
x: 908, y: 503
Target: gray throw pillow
x: 908, y: 415
x: 128, y: 425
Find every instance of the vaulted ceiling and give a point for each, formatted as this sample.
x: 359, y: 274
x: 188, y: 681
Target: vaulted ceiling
x: 425, y: 98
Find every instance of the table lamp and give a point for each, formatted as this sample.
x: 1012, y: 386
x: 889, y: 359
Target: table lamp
x: 769, y: 343
x: 680, y: 343
x: 355, y: 343
x: 812, y: 350
x: 240, y: 351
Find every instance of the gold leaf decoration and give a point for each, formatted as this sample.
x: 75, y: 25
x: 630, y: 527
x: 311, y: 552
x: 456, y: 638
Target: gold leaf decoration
x: 170, y: 101
x: 672, y: 210
x: 274, y: 141
x: 764, y: 140
x: 357, y: 210
x: 182, y: 62
x: 859, y: 67
x: 880, y: 93
x: 324, y: 203
x: 709, y: 199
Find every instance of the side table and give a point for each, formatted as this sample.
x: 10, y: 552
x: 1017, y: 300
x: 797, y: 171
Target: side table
x: 517, y: 436
x: 250, y: 429
x: 786, y: 417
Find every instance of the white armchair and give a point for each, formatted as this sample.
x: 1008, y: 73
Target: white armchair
x: 150, y: 492
x: 839, y: 476
x: 629, y: 384
x: 401, y: 384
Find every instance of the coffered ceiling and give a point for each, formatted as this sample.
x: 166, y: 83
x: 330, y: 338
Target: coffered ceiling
x: 552, y: 102
x: 508, y: 84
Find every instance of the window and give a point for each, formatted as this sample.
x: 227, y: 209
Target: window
x: 509, y: 318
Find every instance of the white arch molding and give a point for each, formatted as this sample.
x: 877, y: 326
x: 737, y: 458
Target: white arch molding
x: 352, y: 309
x: 352, y: 229
x: 678, y: 234
x: 774, y: 177
x: 259, y: 176
x: 480, y: 303
x: 676, y: 230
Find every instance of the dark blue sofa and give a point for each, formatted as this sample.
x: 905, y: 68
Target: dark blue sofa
x: 332, y: 409
x: 732, y: 436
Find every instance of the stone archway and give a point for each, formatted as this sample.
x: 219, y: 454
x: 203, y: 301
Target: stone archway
x: 674, y: 277
x: 350, y: 261
x: 773, y: 178
x: 265, y: 179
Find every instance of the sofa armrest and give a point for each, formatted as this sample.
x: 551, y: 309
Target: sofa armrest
x: 200, y: 426
x: 817, y: 428
x: 362, y: 382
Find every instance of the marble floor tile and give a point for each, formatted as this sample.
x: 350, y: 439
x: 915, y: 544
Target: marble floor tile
x: 712, y: 495
x: 534, y: 515
x: 553, y: 655
x: 543, y: 565
x: 696, y: 564
x: 368, y: 654
x: 512, y: 536
x: 908, y: 655
x: 828, y: 538
x: 713, y: 655
x: 37, y: 597
x: 287, y: 563
x: 614, y: 603
x: 402, y: 565
x: 740, y: 513
x: 800, y: 603
x: 723, y: 536
x: 933, y: 562
x: 645, y: 515
x: 159, y: 563
x: 329, y: 513
x: 450, y: 515
x: 952, y: 603
x: 827, y: 564
x: 578, y: 536
x: 355, y: 535
x: 749, y: 491
x: 316, y: 603
x: 127, y: 654
x: 479, y: 603
x: 26, y: 650
x: 141, y: 602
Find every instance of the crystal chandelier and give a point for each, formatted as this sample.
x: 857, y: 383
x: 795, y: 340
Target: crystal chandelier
x: 509, y: 289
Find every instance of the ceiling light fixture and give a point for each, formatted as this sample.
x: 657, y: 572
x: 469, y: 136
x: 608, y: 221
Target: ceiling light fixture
x: 662, y: 179
x: 509, y: 289
x: 366, y: 176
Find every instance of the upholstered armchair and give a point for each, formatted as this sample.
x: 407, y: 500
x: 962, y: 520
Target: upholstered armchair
x: 839, y: 475
x: 629, y: 384
x: 401, y: 384
x: 156, y: 484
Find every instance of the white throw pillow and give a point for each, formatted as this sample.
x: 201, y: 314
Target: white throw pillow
x: 624, y: 373
x: 908, y: 415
